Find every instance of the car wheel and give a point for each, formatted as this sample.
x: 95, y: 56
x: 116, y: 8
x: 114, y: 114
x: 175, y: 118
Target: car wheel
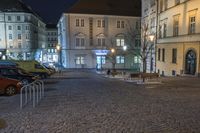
x: 10, y: 90
x: 24, y: 82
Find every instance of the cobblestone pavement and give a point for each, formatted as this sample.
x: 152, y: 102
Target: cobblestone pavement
x: 84, y: 102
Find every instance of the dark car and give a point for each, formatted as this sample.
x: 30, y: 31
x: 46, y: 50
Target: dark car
x: 9, y: 86
x: 17, y: 73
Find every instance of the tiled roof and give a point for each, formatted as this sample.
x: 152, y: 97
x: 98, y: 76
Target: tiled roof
x: 15, y: 6
x: 107, y: 7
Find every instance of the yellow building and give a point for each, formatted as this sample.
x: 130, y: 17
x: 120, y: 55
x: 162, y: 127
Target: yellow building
x: 178, y: 37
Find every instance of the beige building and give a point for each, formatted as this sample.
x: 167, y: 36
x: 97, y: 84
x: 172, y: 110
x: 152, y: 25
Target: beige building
x: 22, y: 32
x: 88, y: 31
x: 178, y: 44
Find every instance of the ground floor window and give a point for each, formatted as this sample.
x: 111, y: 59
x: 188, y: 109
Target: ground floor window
x: 80, y: 60
x: 120, y: 59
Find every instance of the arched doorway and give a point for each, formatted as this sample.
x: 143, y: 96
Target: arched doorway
x: 190, y: 62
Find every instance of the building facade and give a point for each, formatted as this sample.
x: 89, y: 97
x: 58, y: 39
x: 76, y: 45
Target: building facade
x: 22, y: 32
x: 178, y: 43
x: 87, y: 38
x: 149, y: 19
x: 52, y: 42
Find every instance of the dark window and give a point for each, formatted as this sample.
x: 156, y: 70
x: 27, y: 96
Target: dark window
x: 159, y: 54
x: 174, y: 55
x: 163, y: 54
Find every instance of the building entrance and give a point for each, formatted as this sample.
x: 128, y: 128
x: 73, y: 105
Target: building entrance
x: 190, y: 62
x: 100, y: 61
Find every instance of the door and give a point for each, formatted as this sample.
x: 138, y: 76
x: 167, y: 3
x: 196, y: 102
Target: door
x: 190, y: 62
x: 100, y: 61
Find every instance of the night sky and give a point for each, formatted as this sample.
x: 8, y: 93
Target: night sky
x: 50, y: 10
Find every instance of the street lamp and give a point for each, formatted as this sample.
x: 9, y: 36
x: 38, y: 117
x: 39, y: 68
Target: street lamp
x: 112, y: 50
x: 58, y: 50
x: 151, y: 38
x: 124, y: 48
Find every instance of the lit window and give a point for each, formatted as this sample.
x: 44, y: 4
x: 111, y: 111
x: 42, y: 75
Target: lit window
x: 120, y: 59
x: 120, y: 42
x: 192, y: 24
x: 80, y: 60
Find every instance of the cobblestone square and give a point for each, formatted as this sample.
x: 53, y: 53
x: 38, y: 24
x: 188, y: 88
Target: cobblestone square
x: 85, y: 102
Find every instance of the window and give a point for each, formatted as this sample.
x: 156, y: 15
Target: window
x: 80, y: 60
x: 163, y: 54
x: 137, y: 59
x: 166, y: 4
x: 9, y: 18
x: 80, y: 42
x: 9, y: 27
x: 27, y: 36
x: 101, y: 23
x: 120, y: 59
x: 165, y: 30
x: 101, y: 42
x: 19, y: 45
x: 28, y: 28
x: 18, y: 27
x: 77, y: 22
x: 10, y: 36
x: 120, y: 42
x: 177, y: 2
x: 174, y: 55
x: 82, y: 22
x: 120, y: 24
x: 153, y: 22
x: 19, y: 36
x: 18, y: 18
x: 159, y: 54
x: 176, y: 26
x: 137, y: 43
x: 192, y: 24
x: 160, y: 31
x: 11, y: 45
x: 161, y: 5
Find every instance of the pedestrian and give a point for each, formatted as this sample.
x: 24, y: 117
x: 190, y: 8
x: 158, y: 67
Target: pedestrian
x: 108, y: 72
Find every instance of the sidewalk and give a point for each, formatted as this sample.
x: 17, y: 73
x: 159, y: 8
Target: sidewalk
x: 126, y: 78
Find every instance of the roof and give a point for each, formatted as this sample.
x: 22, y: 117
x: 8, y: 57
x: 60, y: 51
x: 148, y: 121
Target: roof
x: 107, y: 7
x: 16, y: 6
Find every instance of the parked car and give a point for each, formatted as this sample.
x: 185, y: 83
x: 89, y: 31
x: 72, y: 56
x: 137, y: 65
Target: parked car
x: 34, y: 67
x: 17, y: 73
x: 9, y: 86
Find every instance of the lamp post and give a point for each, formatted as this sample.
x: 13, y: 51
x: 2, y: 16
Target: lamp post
x: 58, y: 51
x: 113, y: 58
x: 151, y: 38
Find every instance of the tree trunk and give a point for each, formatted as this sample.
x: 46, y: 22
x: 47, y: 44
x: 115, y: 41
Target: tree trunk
x: 144, y: 68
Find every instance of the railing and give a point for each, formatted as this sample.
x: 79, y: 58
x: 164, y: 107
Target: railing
x: 31, y: 93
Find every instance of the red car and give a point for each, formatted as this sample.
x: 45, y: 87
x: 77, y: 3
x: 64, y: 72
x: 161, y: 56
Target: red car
x: 9, y: 86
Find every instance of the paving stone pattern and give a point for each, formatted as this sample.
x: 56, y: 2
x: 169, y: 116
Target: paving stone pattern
x: 84, y: 102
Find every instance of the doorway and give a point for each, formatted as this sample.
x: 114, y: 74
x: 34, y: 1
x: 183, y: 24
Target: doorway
x: 190, y: 62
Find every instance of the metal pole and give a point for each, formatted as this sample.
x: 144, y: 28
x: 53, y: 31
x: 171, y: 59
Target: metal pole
x: 33, y: 88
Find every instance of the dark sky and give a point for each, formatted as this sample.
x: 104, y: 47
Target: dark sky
x: 50, y: 10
